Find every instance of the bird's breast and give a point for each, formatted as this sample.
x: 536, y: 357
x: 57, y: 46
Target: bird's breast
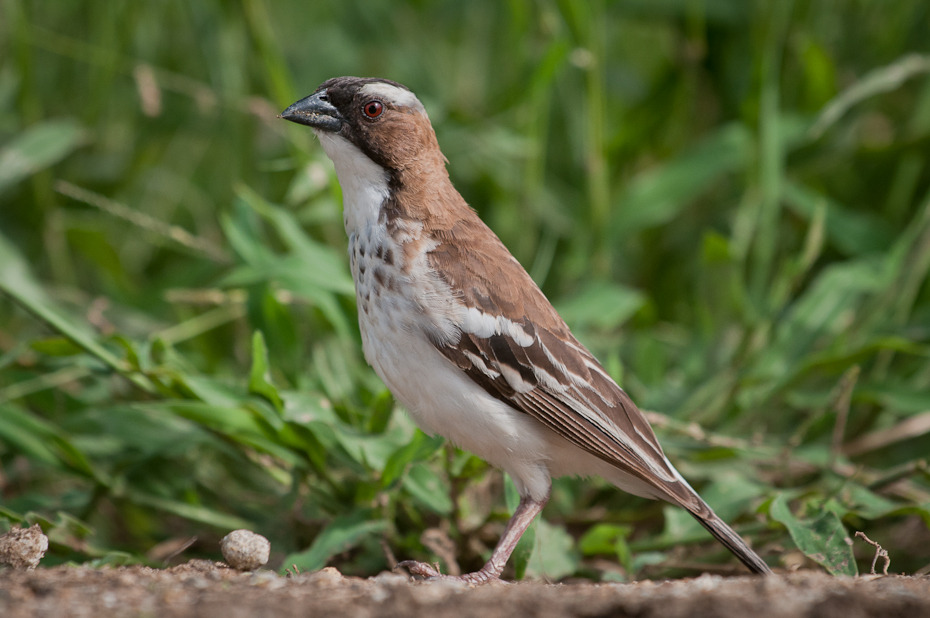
x: 400, y: 297
x: 382, y: 288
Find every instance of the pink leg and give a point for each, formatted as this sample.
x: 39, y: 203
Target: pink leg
x: 526, y: 511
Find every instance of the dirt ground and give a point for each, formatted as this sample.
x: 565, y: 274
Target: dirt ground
x: 208, y: 589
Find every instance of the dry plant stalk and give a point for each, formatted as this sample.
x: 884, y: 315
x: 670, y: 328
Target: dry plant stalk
x: 880, y: 552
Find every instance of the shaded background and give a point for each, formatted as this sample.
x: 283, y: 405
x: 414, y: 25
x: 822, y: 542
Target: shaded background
x: 727, y: 200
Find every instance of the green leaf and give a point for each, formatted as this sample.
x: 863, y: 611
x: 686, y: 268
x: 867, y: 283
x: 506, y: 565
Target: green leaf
x: 648, y: 558
x: 43, y: 441
x: 16, y: 273
x: 865, y: 503
x: 610, y: 539
x: 340, y: 535
x: 65, y: 526
x: 897, y: 396
x: 731, y: 493
x: 11, y: 517
x: 372, y: 451
x: 210, y: 391
x: 659, y: 194
x: 601, y: 304
x: 193, y: 512
x: 318, y: 261
x: 37, y: 148
x: 853, y: 232
x: 232, y: 421
x: 239, y: 423
x: 260, y: 376
x: 26, y: 434
x: 420, y: 447
x: 823, y: 539
x: 382, y: 410
x: 55, y: 346
x: 428, y: 488
x: 555, y: 555
x: 72, y: 328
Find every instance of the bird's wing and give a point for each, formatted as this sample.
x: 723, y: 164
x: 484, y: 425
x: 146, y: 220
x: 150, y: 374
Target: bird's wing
x: 518, y: 349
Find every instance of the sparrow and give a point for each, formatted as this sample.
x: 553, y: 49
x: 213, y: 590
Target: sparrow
x: 462, y: 336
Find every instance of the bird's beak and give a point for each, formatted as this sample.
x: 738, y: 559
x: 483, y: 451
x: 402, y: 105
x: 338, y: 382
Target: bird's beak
x: 315, y: 111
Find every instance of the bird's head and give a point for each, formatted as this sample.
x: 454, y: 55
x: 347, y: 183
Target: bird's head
x: 379, y: 117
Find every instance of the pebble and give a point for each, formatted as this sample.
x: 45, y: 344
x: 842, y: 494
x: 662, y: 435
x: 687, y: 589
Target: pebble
x: 245, y: 550
x: 22, y: 548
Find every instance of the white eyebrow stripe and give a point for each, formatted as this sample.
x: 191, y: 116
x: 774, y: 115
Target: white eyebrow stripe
x: 397, y: 96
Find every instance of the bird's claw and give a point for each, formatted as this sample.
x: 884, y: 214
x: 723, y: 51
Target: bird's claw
x: 419, y: 569
x: 426, y: 571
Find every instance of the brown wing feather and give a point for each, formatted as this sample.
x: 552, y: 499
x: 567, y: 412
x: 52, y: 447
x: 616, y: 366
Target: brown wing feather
x: 560, y: 382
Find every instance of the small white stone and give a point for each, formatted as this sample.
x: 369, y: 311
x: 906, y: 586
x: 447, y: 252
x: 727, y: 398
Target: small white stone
x: 328, y: 576
x: 22, y: 548
x: 245, y: 550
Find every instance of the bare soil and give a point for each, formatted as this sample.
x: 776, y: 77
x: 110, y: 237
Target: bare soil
x: 208, y: 589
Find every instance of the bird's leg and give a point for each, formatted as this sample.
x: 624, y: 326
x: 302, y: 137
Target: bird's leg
x: 526, y: 511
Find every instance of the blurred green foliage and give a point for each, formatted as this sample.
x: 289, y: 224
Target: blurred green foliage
x: 729, y: 200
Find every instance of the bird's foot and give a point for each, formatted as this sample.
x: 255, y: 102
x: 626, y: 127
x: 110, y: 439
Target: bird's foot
x: 431, y: 572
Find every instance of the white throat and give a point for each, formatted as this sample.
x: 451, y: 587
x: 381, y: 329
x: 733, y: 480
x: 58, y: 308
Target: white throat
x: 364, y: 183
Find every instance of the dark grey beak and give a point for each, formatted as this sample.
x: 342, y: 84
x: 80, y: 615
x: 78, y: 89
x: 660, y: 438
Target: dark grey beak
x: 315, y: 111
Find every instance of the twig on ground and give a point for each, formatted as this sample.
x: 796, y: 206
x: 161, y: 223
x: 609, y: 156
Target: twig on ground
x: 880, y: 552
x: 293, y: 571
x: 388, y: 552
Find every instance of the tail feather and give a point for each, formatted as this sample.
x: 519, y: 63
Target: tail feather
x: 732, y: 541
x: 683, y: 495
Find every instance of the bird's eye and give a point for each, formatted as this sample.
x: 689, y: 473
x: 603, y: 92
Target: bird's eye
x: 373, y: 109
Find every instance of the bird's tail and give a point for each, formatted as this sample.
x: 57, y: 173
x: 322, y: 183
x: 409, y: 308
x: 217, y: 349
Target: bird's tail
x: 682, y: 494
x: 732, y: 541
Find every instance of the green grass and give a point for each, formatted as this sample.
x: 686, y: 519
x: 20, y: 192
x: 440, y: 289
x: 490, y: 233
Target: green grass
x: 729, y: 202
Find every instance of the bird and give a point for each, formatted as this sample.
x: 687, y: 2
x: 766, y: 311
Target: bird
x: 460, y: 333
